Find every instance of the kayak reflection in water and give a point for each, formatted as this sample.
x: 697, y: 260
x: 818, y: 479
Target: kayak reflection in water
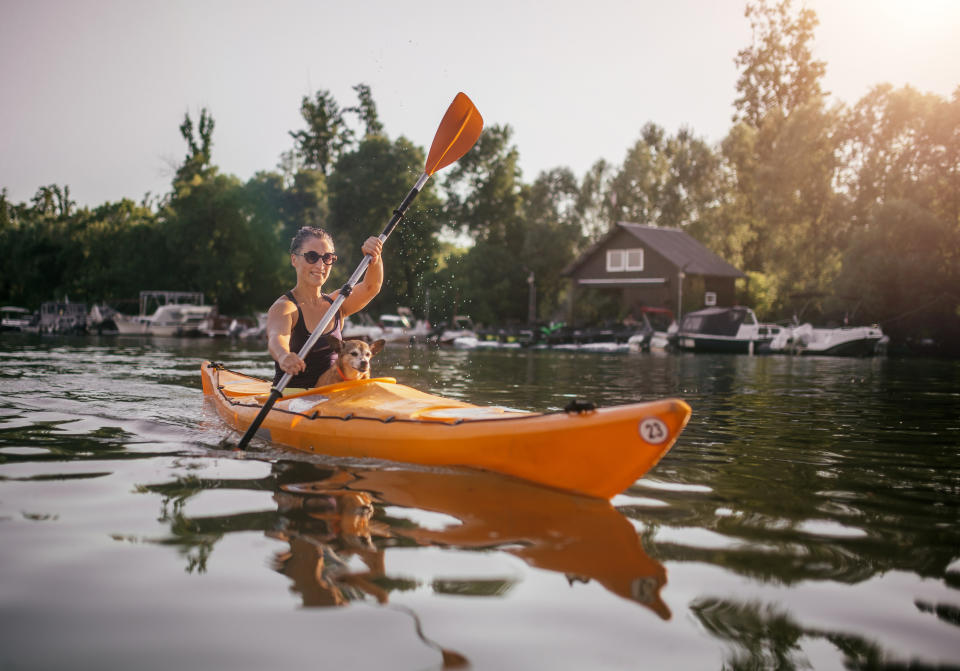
x: 293, y: 316
x: 328, y: 522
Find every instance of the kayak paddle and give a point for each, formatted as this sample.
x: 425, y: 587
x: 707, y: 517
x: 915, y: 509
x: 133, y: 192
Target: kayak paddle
x: 458, y: 131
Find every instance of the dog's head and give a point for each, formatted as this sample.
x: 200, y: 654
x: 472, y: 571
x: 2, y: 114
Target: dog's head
x: 355, y: 355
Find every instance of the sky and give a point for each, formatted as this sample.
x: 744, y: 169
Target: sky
x: 92, y: 92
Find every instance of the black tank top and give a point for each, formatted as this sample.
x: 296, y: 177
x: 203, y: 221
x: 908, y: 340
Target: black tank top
x: 321, y: 356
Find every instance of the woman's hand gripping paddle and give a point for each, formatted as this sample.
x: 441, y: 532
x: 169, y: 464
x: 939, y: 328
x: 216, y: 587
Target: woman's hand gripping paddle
x: 458, y: 131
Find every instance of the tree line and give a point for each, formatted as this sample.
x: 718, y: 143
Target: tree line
x: 841, y: 210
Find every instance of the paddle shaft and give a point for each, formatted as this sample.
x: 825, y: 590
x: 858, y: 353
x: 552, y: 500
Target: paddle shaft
x: 277, y: 390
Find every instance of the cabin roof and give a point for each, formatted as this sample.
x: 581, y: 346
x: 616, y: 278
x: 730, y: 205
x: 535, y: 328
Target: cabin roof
x: 675, y: 245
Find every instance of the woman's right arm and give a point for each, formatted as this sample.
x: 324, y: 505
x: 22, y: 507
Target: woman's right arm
x: 279, y: 325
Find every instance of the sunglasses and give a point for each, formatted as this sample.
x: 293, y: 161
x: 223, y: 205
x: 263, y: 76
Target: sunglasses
x: 312, y: 257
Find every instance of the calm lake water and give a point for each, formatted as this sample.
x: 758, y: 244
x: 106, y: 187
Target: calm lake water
x: 808, y: 517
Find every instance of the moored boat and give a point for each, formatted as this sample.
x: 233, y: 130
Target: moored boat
x: 59, y: 317
x: 14, y: 318
x: 361, y: 326
x: 718, y: 329
x: 257, y: 331
x: 461, y: 327
x: 402, y: 327
x: 596, y: 452
x: 842, y: 341
x: 177, y: 313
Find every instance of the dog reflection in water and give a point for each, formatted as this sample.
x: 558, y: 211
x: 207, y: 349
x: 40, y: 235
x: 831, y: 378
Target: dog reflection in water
x: 335, y: 525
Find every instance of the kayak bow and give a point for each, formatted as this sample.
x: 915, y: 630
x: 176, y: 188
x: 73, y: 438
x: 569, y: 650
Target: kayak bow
x: 596, y: 452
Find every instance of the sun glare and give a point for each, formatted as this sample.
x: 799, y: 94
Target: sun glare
x: 918, y: 17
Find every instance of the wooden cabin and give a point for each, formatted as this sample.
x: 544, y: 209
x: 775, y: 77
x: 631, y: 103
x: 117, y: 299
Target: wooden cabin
x: 655, y: 267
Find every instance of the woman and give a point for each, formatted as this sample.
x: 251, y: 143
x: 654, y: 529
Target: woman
x: 294, y: 315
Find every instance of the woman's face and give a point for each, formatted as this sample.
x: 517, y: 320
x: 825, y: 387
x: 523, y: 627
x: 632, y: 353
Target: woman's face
x: 314, y: 274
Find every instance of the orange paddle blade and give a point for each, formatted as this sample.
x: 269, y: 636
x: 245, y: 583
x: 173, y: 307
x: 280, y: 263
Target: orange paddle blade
x: 459, y: 130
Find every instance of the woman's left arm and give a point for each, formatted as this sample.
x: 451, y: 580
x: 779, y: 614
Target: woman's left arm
x: 369, y: 286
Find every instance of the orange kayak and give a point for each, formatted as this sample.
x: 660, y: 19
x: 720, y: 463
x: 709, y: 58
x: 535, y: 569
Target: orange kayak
x: 595, y: 452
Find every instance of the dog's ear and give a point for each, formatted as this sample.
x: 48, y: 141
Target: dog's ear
x: 376, y: 346
x: 335, y: 343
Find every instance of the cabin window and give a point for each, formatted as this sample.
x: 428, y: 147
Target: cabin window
x: 710, y: 298
x: 634, y: 259
x: 620, y: 260
x: 615, y: 260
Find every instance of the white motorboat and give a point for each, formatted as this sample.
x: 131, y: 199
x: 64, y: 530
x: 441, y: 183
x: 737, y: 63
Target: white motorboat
x: 258, y: 331
x: 401, y: 327
x: 360, y: 326
x: 655, y: 332
x: 717, y: 329
x: 461, y: 327
x: 177, y: 313
x: 13, y: 318
x: 843, y: 341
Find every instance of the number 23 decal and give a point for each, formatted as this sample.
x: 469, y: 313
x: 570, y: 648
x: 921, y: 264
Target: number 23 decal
x: 653, y: 430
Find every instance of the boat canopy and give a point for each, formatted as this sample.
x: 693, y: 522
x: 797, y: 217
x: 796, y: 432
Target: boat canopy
x: 717, y: 321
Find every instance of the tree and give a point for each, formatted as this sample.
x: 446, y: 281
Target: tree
x: 778, y: 71
x: 326, y: 134
x: 903, y: 145
x: 367, y: 110
x: 366, y: 185
x: 274, y: 214
x: 594, y: 209
x: 903, y: 265
x: 120, y: 244
x: 485, y: 200
x: 784, y: 218
x: 552, y: 235
x: 212, y: 245
x: 36, y: 245
x: 484, y: 190
x: 902, y: 182
x: 196, y: 166
x: 212, y: 242
x: 665, y: 181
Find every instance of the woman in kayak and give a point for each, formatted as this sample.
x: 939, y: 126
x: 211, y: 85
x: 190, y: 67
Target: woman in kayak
x: 294, y: 315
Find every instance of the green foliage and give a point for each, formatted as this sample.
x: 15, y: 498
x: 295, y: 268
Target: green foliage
x: 484, y: 190
x: 902, y: 145
x: 484, y: 200
x: 212, y: 245
x: 485, y: 283
x: 196, y: 166
x: 593, y: 207
x: 758, y: 291
x: 52, y: 251
x: 553, y: 236
x: 778, y: 72
x: 366, y: 186
x: 673, y: 182
x: 326, y: 134
x: 366, y: 110
x: 117, y: 244
x: 783, y: 216
x: 903, y: 266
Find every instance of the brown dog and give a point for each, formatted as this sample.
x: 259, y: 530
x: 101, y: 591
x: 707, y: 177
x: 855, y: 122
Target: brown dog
x: 353, y: 362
